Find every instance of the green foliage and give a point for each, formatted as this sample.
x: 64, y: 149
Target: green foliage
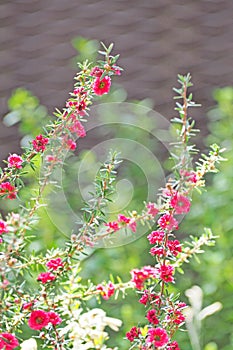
x: 87, y: 49
x: 25, y: 109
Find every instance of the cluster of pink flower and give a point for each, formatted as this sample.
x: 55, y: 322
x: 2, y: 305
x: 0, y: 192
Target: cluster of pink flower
x: 53, y: 265
x: 157, y: 337
x: 76, y: 108
x: 7, y: 190
x: 15, y: 161
x: 8, y: 341
x: 3, y: 229
x: 106, y: 291
x: 123, y: 221
x: 39, y: 143
x: 39, y: 319
x: 164, y: 250
x: 139, y: 276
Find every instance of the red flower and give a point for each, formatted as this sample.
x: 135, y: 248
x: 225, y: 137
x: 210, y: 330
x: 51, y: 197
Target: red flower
x: 180, y: 203
x: 147, y: 296
x: 112, y: 226
x: 54, y: 264
x: 8, y: 341
x: 81, y: 106
x: 166, y: 273
x: 144, y: 298
x: 156, y: 237
x: 151, y: 316
x: 140, y: 276
x: 15, y: 161
x: 133, y: 333
x: 101, y: 87
x: 45, y: 277
x: 7, y: 188
x: 167, y: 221
x: 123, y: 218
x: 157, y: 251
x: 54, y: 318
x: 106, y: 291
x: 71, y: 144
x: 96, y: 72
x: 157, y: 336
x: 39, y: 143
x: 128, y: 221
x: 38, y: 319
x: 174, y: 247
x: 176, y: 317
x: 173, y: 346
x: 28, y: 305
x: 3, y: 227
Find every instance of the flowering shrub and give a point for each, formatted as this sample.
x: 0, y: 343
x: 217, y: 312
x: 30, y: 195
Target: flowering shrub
x: 55, y: 306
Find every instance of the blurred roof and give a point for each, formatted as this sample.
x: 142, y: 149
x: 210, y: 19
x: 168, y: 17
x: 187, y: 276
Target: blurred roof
x: 156, y: 39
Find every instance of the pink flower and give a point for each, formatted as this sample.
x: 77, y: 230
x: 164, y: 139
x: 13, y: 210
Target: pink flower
x: 173, y: 346
x: 101, y: 87
x: 80, y: 107
x: 157, y: 251
x: 147, y: 296
x: 8, y: 341
x: 38, y: 319
x: 144, y: 298
x: 96, y: 72
x: 167, y: 221
x: 54, y: 318
x: 128, y: 221
x: 28, y: 306
x: 7, y: 188
x: 133, y: 333
x: 15, y: 161
x: 50, y: 158
x: 71, y: 144
x: 54, y: 264
x: 40, y: 143
x: 116, y: 70
x: 157, y: 336
x: 106, y: 291
x: 152, y: 210
x: 174, y: 247
x: 190, y: 175
x: 78, y: 128
x: 123, y: 218
x: 71, y: 103
x: 112, y: 226
x: 166, y: 273
x: 3, y: 227
x: 180, y: 203
x: 140, y: 276
x: 176, y: 317
x: 79, y: 91
x: 45, y: 277
x: 156, y: 237
x: 151, y: 316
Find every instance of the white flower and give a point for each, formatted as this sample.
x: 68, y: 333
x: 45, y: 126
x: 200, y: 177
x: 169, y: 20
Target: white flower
x: 113, y: 323
x: 29, y: 344
x: 88, y: 330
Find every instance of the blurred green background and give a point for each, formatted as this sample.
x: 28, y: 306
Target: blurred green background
x: 214, y: 273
